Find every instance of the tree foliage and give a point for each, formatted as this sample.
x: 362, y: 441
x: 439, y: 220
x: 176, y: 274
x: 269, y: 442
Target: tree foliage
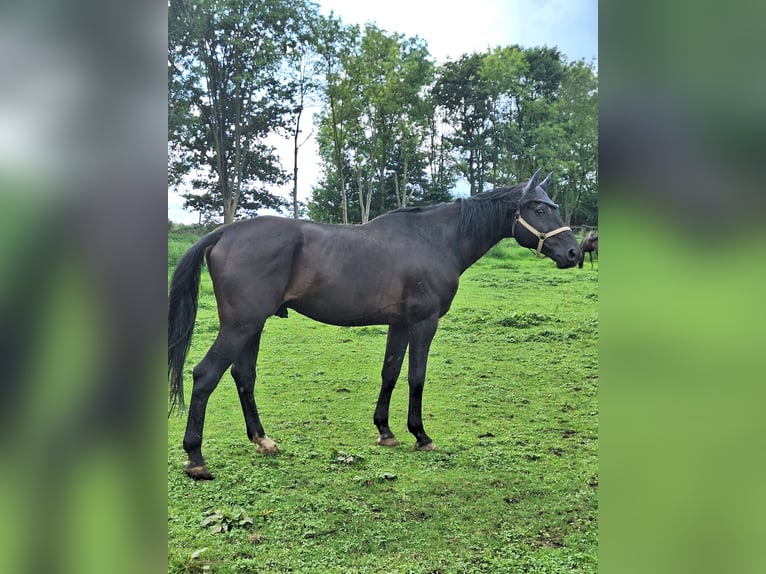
x: 227, y: 95
x: 467, y: 96
x: 394, y: 129
x: 577, y: 112
x: 489, y: 118
x: 375, y: 126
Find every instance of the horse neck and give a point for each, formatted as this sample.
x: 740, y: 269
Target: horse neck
x: 471, y: 250
x: 489, y: 224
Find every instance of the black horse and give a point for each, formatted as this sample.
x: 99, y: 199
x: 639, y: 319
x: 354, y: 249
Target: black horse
x: 588, y: 245
x: 401, y: 269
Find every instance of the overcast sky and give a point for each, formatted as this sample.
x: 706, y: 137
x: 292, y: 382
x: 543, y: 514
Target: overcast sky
x: 452, y: 29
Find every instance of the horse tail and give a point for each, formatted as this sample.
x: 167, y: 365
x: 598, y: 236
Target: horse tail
x: 182, y: 311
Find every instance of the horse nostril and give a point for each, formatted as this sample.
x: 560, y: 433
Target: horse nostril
x: 572, y: 254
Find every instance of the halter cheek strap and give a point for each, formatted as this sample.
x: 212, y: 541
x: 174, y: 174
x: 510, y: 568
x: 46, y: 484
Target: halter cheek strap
x: 540, y: 235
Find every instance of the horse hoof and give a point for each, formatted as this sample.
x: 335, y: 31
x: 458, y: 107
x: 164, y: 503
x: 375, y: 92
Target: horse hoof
x: 427, y: 446
x: 388, y: 441
x: 265, y: 445
x: 198, y: 472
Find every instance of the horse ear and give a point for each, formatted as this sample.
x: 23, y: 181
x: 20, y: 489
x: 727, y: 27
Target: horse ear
x: 532, y: 182
x: 544, y: 184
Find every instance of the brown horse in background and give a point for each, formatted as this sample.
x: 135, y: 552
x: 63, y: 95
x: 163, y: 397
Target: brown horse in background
x: 588, y: 245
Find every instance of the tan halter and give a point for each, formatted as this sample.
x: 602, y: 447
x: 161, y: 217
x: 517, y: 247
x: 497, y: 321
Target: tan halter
x: 540, y: 236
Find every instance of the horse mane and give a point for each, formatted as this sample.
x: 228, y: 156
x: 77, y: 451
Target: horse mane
x: 481, y: 213
x: 415, y: 208
x: 487, y: 212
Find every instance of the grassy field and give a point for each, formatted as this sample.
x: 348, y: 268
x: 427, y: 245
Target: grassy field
x: 510, y: 402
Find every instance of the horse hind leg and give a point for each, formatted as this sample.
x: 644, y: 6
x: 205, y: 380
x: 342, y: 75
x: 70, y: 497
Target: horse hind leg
x: 207, y: 374
x: 396, y: 346
x: 244, y: 374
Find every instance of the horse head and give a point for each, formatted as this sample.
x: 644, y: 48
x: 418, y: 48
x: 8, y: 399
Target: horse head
x: 540, y: 225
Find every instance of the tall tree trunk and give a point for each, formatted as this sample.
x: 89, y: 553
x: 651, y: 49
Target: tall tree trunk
x: 578, y: 197
x: 229, y: 206
x: 401, y: 192
x: 339, y: 160
x: 236, y: 187
x: 368, y: 204
x: 471, y: 172
x: 365, y: 195
x: 381, y: 196
x: 214, y: 120
x: 295, y: 159
x: 360, y: 189
x: 405, y: 180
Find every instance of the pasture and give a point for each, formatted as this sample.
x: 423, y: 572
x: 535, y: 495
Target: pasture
x: 510, y: 401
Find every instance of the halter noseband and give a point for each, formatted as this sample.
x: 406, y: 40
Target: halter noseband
x: 540, y: 235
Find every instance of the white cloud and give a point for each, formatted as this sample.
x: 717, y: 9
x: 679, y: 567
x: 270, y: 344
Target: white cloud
x: 569, y: 25
x: 449, y: 32
x: 455, y: 29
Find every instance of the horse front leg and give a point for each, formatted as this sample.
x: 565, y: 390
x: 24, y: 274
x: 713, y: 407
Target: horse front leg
x: 420, y: 336
x: 396, y: 346
x: 244, y: 374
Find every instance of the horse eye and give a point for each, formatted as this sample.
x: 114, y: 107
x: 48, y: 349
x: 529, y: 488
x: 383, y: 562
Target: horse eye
x: 540, y: 211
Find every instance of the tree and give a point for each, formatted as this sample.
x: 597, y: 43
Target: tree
x: 577, y: 112
x: 303, y: 74
x: 334, y: 44
x: 467, y: 99
x: 391, y: 135
x: 504, y: 70
x: 226, y: 94
x: 532, y: 126
x: 412, y: 112
x: 208, y: 205
x: 371, y: 70
x: 375, y: 123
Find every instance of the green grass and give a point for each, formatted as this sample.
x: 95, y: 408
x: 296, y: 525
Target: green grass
x: 510, y: 401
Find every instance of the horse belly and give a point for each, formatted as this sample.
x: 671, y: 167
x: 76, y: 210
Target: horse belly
x: 350, y: 303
